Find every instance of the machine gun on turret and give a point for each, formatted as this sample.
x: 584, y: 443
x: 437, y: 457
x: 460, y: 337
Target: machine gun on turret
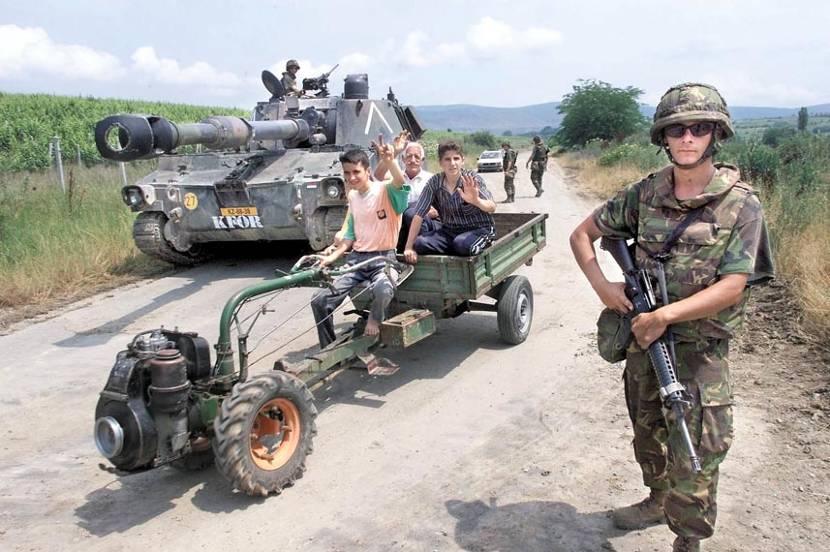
x: 319, y: 83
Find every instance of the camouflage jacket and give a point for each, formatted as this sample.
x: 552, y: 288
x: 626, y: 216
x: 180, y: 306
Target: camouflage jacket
x: 539, y: 153
x: 289, y: 83
x: 509, y: 161
x: 728, y: 237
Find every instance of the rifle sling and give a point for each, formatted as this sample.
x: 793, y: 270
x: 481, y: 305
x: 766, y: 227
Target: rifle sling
x: 664, y: 255
x: 665, y: 252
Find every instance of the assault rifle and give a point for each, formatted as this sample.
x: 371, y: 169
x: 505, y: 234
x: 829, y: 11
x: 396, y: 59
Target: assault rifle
x: 639, y: 291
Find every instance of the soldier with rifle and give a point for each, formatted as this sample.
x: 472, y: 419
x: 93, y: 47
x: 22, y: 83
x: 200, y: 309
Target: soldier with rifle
x: 538, y: 163
x: 509, y: 166
x: 699, y: 238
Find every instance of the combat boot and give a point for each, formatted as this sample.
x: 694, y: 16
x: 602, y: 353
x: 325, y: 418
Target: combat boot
x: 686, y: 544
x: 642, y: 514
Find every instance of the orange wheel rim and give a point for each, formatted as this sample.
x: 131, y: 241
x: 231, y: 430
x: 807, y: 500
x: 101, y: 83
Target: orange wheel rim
x: 275, y: 434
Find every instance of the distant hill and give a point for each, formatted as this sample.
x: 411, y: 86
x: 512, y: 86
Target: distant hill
x: 531, y: 118
x: 467, y: 118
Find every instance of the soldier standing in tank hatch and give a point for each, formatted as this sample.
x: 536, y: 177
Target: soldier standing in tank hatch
x: 289, y: 78
x: 723, y: 250
x: 538, y: 162
x: 509, y: 166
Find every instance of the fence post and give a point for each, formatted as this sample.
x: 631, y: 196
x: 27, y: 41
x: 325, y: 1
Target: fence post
x: 123, y: 172
x: 78, y: 159
x: 59, y: 163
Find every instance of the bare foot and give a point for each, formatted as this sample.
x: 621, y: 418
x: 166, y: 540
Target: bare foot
x: 372, y: 327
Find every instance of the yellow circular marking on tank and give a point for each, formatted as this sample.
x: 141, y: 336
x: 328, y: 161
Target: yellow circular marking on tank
x: 191, y: 201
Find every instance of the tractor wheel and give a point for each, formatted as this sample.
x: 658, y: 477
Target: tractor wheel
x: 515, y: 309
x: 148, y: 233
x: 264, y: 432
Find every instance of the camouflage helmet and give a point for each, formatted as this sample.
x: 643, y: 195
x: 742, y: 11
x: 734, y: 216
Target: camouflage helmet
x: 689, y: 102
x: 291, y: 63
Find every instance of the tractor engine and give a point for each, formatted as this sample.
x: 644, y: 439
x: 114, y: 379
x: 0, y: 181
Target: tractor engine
x: 147, y: 414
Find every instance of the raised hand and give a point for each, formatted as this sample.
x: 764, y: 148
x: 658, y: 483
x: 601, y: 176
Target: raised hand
x: 469, y: 189
x: 386, y: 152
x: 400, y: 141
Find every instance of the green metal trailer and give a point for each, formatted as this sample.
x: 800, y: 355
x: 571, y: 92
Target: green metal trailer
x: 165, y: 403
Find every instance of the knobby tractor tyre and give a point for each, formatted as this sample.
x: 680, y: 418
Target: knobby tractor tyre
x: 515, y: 309
x: 148, y: 234
x: 264, y: 432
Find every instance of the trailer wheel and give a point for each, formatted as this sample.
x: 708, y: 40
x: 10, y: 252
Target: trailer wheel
x: 148, y: 234
x: 515, y: 309
x: 264, y: 432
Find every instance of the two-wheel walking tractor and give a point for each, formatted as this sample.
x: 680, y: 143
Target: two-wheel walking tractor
x: 166, y: 403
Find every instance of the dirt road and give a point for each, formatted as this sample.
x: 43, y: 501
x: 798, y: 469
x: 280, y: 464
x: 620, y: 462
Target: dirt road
x: 470, y: 446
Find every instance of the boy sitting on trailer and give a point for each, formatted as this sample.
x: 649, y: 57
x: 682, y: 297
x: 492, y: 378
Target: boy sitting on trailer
x: 372, y: 228
x: 464, y: 205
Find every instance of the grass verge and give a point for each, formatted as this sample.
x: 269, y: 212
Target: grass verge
x: 57, y: 246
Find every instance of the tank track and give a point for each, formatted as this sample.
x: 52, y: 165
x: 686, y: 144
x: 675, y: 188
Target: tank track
x: 148, y: 234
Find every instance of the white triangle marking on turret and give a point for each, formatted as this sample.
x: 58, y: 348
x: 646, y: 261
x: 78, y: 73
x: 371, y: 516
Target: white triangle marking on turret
x: 373, y: 109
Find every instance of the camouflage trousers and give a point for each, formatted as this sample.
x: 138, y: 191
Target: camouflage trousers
x: 509, y: 187
x: 537, y: 169
x: 691, y: 502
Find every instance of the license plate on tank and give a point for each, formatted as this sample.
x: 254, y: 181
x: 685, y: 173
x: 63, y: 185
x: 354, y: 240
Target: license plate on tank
x: 237, y: 211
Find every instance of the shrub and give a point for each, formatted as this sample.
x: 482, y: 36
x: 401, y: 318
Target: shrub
x: 643, y: 157
x: 758, y: 163
x: 774, y: 135
x: 483, y: 138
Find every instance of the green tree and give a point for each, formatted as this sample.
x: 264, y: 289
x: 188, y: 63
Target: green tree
x: 484, y: 138
x: 775, y: 134
x: 595, y: 109
x: 802, y: 119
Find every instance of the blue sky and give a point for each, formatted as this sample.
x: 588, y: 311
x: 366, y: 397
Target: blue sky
x: 496, y: 52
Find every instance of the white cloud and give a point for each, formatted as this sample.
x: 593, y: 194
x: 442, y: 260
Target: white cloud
x: 26, y: 51
x: 742, y: 89
x: 486, y: 39
x: 356, y: 61
x: 169, y: 71
x: 493, y: 38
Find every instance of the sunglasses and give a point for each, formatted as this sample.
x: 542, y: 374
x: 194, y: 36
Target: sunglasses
x: 697, y: 129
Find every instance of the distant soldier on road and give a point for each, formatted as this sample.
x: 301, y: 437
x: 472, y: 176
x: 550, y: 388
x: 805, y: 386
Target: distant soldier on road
x: 696, y: 222
x: 538, y: 162
x: 289, y: 78
x: 509, y: 165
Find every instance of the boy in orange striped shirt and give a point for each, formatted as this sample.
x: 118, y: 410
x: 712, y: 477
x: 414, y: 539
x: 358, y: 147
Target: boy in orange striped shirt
x: 372, y: 228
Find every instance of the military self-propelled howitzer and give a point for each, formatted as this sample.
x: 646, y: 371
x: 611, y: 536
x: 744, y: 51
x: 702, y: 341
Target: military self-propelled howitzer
x: 276, y: 177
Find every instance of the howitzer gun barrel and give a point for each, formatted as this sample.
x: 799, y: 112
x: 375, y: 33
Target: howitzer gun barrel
x: 131, y: 137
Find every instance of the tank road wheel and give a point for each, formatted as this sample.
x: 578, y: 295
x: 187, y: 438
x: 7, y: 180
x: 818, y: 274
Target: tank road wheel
x: 263, y: 433
x: 148, y: 233
x: 515, y: 309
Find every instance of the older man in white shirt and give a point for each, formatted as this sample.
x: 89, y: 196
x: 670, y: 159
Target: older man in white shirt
x: 415, y: 176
